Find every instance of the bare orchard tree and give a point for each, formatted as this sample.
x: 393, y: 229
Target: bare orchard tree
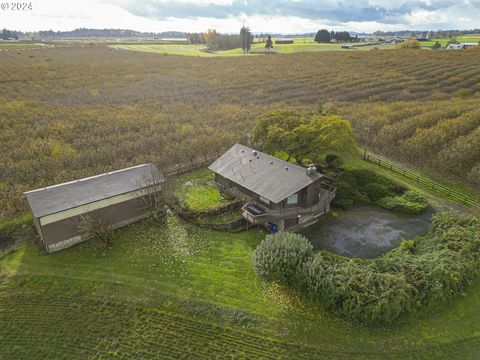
x: 96, y: 230
x: 157, y: 192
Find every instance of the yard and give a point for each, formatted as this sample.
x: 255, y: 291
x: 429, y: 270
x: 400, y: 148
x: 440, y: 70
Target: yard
x: 169, y: 289
x: 176, y: 289
x: 198, y: 191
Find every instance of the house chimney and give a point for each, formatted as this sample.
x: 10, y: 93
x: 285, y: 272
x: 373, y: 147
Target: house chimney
x: 311, y: 170
x: 254, y: 152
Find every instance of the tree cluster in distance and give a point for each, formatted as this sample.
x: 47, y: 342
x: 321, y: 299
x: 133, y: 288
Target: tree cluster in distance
x: 325, y: 36
x: 196, y: 38
x: 269, y: 43
x: 246, y: 39
x: 216, y: 41
x: 8, y: 34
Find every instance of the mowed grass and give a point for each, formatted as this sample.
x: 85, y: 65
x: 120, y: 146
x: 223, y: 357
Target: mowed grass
x: 444, y: 42
x: 173, y: 289
x: 176, y: 49
x: 8, y: 45
x: 173, y: 49
x: 197, y: 190
x: 299, y: 45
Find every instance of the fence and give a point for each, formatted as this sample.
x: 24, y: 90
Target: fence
x: 177, y: 170
x: 455, y: 195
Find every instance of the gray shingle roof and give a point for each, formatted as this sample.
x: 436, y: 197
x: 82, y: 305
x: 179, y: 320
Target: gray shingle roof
x: 72, y: 194
x: 263, y: 174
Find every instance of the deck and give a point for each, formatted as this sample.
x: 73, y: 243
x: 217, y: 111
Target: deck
x: 258, y: 214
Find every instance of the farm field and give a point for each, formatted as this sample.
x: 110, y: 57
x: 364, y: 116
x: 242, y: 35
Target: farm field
x: 67, y: 113
x: 8, y: 45
x: 177, y: 289
x: 173, y: 49
x: 300, y: 45
x: 444, y: 42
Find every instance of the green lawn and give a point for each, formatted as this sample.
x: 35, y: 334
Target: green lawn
x: 174, y: 49
x: 458, y: 186
x: 14, y: 45
x: 174, y: 289
x: 164, y: 289
x: 197, y: 191
x: 444, y: 42
x: 300, y: 45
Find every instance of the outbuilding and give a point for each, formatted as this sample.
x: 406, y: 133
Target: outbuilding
x: 283, y: 41
x: 116, y: 198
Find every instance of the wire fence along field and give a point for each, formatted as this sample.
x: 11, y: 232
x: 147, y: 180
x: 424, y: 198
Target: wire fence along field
x: 453, y: 194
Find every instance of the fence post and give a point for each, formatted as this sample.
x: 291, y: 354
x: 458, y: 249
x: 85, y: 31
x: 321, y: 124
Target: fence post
x: 447, y: 191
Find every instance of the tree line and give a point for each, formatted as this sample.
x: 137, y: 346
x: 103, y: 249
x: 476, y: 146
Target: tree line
x: 325, y: 36
x: 109, y: 33
x: 8, y: 34
x: 216, y: 41
x: 439, y: 34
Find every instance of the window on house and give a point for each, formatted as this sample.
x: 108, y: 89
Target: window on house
x: 292, y: 199
x: 264, y: 200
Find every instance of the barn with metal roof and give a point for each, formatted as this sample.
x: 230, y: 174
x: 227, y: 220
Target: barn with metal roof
x: 116, y: 198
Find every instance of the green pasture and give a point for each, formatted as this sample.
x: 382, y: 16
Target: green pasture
x: 299, y: 45
x: 444, y: 42
x: 173, y: 49
x: 205, y: 280
x: 173, y: 289
x: 12, y: 45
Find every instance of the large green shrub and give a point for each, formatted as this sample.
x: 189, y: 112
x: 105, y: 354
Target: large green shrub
x: 363, y: 186
x: 428, y: 270
x: 279, y: 255
x: 375, y: 191
x: 410, y: 202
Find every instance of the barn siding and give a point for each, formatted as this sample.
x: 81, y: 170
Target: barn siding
x: 65, y: 231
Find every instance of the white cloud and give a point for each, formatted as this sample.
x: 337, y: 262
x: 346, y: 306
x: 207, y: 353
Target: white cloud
x: 276, y: 16
x: 426, y: 18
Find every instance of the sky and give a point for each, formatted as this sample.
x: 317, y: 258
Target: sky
x: 274, y: 16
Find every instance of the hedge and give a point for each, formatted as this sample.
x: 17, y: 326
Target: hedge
x: 425, y: 271
x: 365, y: 187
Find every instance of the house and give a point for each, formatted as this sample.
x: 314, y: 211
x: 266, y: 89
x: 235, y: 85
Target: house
x: 461, y: 46
x: 470, y: 44
x: 116, y: 198
x: 455, y: 47
x: 278, y: 195
x: 283, y: 41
